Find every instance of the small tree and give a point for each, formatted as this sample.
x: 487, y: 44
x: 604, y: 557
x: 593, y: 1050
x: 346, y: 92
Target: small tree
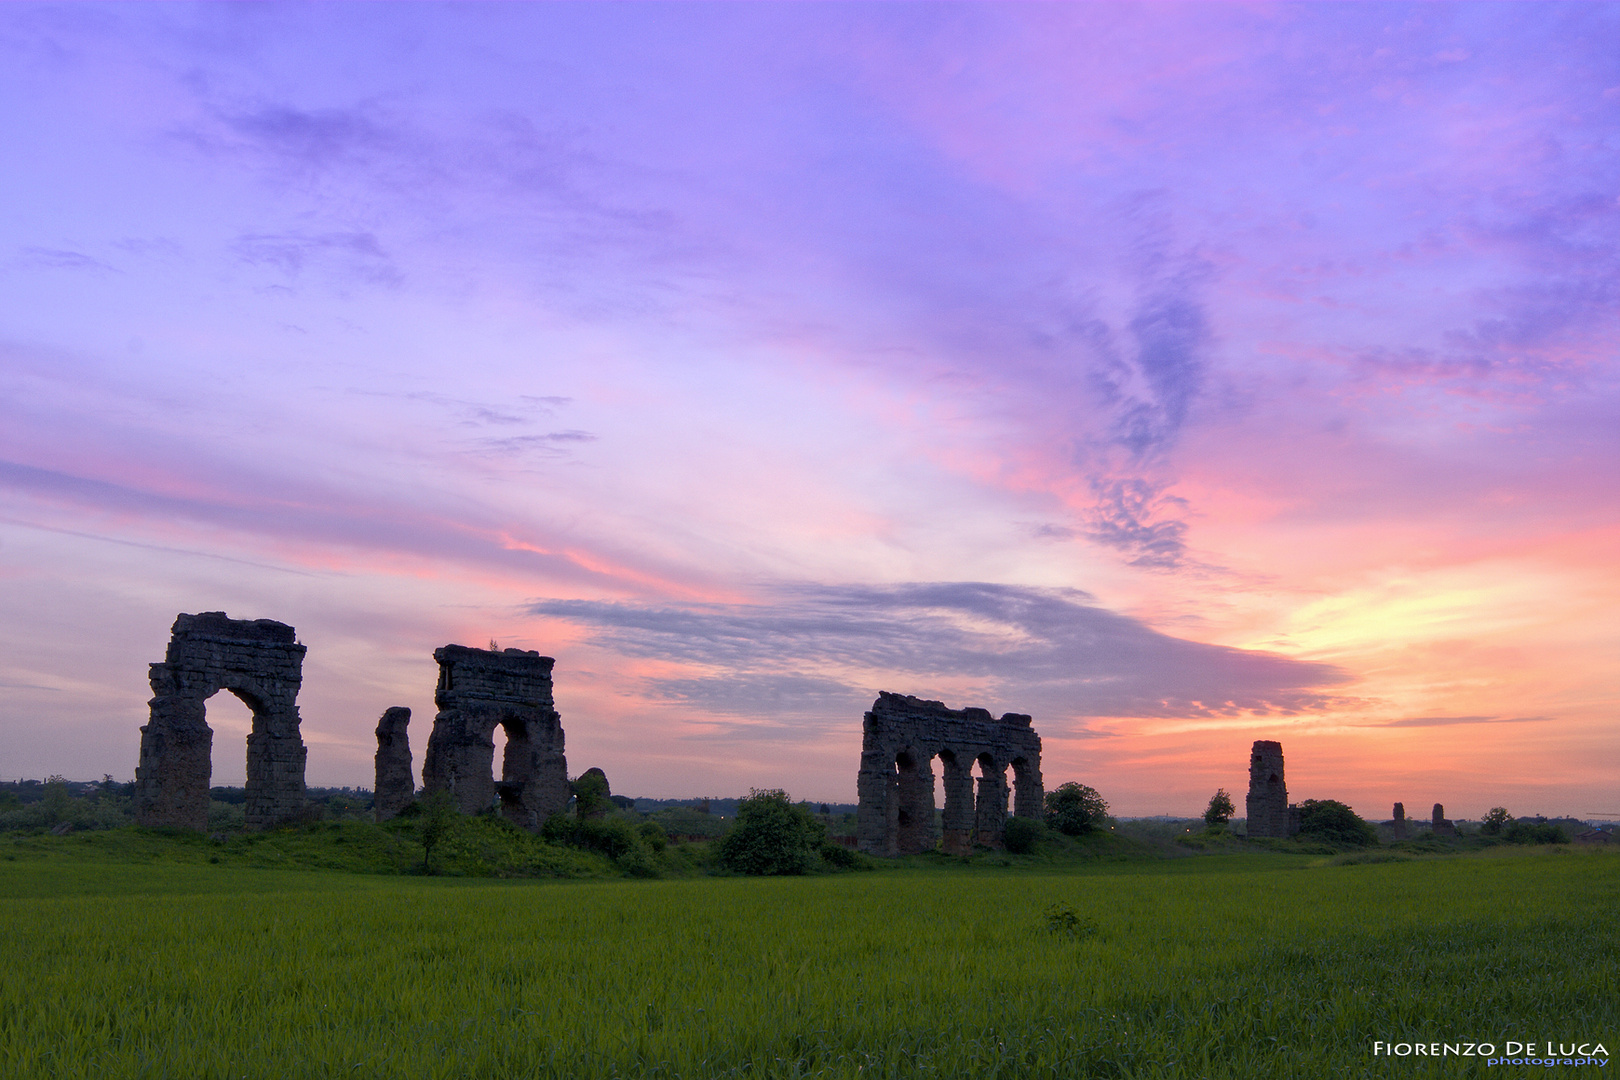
x: 771, y: 835
x: 1075, y: 809
x: 438, y: 814
x: 1333, y: 821
x: 1495, y: 820
x: 592, y: 796
x: 1220, y: 808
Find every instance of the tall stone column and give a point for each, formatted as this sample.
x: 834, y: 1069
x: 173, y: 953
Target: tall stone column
x: 395, y: 786
x: 958, y: 838
x: 990, y: 816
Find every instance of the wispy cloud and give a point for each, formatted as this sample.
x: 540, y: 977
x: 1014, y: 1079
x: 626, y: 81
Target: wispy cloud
x: 1052, y: 647
x: 1447, y: 721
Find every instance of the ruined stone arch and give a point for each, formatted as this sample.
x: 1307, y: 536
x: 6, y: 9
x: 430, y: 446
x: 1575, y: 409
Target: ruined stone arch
x: 259, y: 661
x: 480, y: 690
x: 901, y: 738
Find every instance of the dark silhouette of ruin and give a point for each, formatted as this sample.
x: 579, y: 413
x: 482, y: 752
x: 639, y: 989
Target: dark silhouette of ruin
x: 1439, y: 824
x: 261, y: 662
x: 1397, y: 827
x: 1269, y: 811
x: 901, y: 737
x: 480, y: 689
x: 395, y: 786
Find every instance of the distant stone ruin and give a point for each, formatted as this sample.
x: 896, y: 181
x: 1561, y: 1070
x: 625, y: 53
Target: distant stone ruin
x: 902, y: 735
x: 1439, y: 825
x: 261, y: 662
x: 479, y: 690
x: 395, y: 786
x: 1397, y: 827
x: 1268, y: 809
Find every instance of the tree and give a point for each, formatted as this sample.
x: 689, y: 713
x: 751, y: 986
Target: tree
x: 1495, y: 820
x: 438, y: 814
x: 592, y: 796
x: 771, y: 835
x: 1220, y: 809
x: 1075, y: 809
x: 1333, y: 821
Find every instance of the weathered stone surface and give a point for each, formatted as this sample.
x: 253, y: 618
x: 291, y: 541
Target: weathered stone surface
x: 1267, y: 804
x: 396, y: 786
x: 1398, y: 826
x: 1439, y: 824
x: 480, y: 689
x: 902, y: 736
x: 261, y: 662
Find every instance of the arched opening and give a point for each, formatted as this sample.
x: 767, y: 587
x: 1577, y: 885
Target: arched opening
x: 913, y: 802
x: 498, y: 739
x: 229, y: 716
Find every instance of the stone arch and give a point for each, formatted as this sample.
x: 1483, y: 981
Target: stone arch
x: 261, y: 663
x: 902, y: 736
x: 480, y: 690
x: 1029, y: 791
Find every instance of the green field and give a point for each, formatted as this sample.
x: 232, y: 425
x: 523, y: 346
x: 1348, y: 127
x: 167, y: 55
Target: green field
x: 1256, y: 965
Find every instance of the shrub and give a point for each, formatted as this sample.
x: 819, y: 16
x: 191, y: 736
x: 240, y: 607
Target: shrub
x: 1495, y: 820
x: 1525, y: 832
x: 1074, y: 809
x: 1220, y: 808
x: 771, y: 836
x: 653, y: 833
x: 438, y: 814
x: 840, y: 857
x: 1020, y: 835
x: 1333, y: 821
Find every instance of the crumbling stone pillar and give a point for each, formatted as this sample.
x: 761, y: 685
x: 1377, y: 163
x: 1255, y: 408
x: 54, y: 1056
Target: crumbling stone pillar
x: 261, y: 662
x: 901, y: 737
x: 1398, y: 826
x: 478, y: 690
x: 1267, y: 804
x: 1440, y: 825
x: 395, y: 787
x: 990, y: 811
x: 958, y: 817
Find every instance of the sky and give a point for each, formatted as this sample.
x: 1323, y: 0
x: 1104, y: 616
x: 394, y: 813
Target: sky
x: 1182, y: 375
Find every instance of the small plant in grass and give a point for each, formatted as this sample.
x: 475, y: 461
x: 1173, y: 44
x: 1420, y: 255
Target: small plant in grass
x: 1064, y: 921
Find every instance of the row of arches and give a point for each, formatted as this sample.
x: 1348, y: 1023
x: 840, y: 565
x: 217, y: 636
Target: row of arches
x: 975, y: 789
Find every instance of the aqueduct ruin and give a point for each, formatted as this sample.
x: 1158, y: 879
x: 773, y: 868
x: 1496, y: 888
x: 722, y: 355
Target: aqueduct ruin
x: 902, y: 735
x: 480, y: 690
x: 261, y: 662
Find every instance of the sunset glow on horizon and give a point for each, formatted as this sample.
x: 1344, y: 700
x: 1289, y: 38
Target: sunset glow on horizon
x: 1182, y: 375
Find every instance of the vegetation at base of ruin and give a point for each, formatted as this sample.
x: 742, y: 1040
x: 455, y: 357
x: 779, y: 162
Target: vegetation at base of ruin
x: 1245, y: 966
x: 1333, y: 822
x: 1075, y: 809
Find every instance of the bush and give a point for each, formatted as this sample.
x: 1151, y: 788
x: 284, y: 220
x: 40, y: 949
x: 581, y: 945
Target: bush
x: 653, y: 834
x: 1525, y: 832
x: 1333, y: 821
x: 1074, y: 809
x: 1020, y: 835
x: 839, y: 857
x: 1220, y: 809
x: 610, y: 836
x: 1495, y: 820
x: 771, y: 836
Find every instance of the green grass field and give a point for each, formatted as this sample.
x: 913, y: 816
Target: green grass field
x: 1258, y: 965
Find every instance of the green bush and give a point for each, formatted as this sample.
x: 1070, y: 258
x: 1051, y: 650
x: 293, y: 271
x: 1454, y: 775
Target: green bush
x: 1074, y: 809
x: 1020, y: 835
x: 653, y: 834
x: 1334, y: 822
x: 771, y: 836
x: 1525, y: 832
x: 839, y: 857
x: 1495, y: 820
x: 610, y: 836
